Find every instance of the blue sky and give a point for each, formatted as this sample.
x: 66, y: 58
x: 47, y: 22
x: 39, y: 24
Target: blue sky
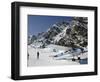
x: 40, y: 23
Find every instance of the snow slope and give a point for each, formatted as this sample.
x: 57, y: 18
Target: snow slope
x: 45, y: 58
x: 60, y: 35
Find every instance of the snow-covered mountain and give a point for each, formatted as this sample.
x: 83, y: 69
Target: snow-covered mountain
x: 55, y: 32
x: 76, y: 33
x: 73, y: 34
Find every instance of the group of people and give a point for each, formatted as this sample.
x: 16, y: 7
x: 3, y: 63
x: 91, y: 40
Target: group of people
x: 37, y: 55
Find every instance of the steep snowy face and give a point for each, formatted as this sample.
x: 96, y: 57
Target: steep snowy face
x: 76, y: 34
x: 53, y: 34
x: 60, y: 35
x: 55, y: 30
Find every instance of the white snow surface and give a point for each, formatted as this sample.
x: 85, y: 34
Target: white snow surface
x: 45, y: 57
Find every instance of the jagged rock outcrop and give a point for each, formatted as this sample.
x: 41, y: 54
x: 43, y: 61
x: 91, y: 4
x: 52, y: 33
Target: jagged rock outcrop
x: 76, y: 34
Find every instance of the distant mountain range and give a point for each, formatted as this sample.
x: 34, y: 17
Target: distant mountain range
x: 73, y: 34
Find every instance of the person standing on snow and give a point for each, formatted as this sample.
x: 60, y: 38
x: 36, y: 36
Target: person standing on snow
x: 38, y: 55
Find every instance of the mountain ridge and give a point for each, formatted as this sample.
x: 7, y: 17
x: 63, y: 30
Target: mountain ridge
x: 73, y: 34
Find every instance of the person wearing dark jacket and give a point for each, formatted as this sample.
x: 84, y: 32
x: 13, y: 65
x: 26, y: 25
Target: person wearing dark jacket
x: 38, y: 55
